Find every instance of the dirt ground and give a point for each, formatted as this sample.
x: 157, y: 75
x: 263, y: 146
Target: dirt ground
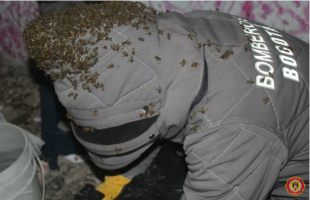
x: 20, y: 105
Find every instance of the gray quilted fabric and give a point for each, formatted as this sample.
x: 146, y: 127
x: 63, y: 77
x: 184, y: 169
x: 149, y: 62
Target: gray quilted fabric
x: 243, y: 147
x: 126, y: 83
x: 250, y: 131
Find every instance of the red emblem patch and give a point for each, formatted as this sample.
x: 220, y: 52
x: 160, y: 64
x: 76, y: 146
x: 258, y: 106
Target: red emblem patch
x: 295, y: 186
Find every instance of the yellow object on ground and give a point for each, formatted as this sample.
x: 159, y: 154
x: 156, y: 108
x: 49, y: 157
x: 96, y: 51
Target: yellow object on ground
x: 112, y: 186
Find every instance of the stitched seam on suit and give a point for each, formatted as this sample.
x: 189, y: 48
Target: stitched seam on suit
x: 234, y: 106
x: 100, y: 59
x: 275, y: 158
x: 273, y: 108
x: 259, y: 165
x: 258, y: 136
x: 296, y: 118
x: 301, y: 153
x: 144, y: 83
x: 228, y: 146
x: 205, y: 167
x: 254, y: 171
x: 95, y: 65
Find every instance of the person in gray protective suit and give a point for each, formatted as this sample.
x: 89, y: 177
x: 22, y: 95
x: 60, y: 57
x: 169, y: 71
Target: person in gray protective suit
x: 234, y: 92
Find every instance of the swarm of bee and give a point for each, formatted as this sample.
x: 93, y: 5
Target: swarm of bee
x: 183, y: 62
x: 147, y: 111
x: 250, y: 81
x: 227, y: 54
x: 158, y: 89
x: 195, y: 128
x: 266, y: 101
x: 203, y: 110
x: 192, y: 115
x: 56, y: 40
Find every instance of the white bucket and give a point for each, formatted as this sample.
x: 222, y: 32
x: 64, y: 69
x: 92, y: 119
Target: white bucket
x: 18, y: 150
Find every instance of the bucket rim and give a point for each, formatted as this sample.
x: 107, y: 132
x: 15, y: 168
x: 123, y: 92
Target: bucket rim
x: 24, y: 148
x: 27, y: 184
x: 21, y: 173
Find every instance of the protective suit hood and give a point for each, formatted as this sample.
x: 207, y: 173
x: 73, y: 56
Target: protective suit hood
x: 137, y: 74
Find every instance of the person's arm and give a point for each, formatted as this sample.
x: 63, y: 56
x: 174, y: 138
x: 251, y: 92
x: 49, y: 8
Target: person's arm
x: 234, y: 161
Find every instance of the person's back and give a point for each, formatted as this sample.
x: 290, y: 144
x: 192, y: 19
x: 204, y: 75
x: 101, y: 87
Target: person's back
x: 255, y: 131
x: 234, y: 92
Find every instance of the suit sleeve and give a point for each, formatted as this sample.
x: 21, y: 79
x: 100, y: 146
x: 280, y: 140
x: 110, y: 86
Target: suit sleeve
x: 235, y: 161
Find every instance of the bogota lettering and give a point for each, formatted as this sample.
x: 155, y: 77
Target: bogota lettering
x: 263, y: 59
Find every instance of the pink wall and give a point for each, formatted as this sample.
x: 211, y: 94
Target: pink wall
x: 289, y: 16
